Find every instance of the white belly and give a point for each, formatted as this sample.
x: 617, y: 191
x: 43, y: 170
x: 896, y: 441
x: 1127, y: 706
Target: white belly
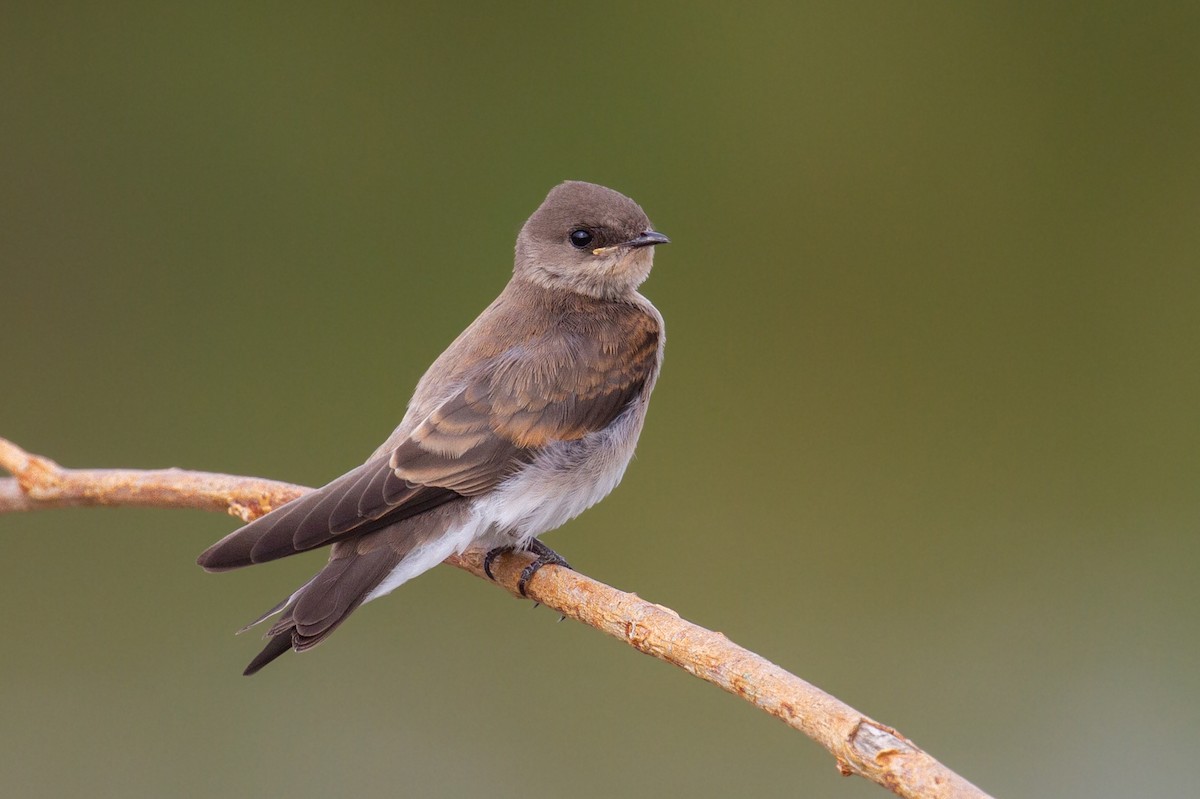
x: 563, y: 481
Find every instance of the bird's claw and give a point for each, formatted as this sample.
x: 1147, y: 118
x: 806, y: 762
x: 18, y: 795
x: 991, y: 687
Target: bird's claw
x: 545, y: 556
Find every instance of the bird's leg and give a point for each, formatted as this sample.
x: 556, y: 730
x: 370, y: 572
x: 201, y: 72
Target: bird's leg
x: 545, y: 556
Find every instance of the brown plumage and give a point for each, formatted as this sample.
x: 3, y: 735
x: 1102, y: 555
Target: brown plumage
x: 529, y: 417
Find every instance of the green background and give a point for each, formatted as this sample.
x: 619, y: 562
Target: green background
x: 927, y: 434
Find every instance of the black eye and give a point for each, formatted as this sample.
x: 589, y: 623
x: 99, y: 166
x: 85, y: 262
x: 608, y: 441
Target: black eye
x: 581, y: 238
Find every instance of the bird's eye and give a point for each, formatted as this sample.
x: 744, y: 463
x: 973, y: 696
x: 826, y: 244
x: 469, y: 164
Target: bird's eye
x: 581, y: 238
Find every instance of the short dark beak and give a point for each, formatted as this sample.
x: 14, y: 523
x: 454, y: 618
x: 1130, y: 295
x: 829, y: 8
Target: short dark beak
x: 650, y: 237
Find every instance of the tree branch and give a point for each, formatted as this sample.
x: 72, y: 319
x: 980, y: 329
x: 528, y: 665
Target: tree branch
x: 861, y: 745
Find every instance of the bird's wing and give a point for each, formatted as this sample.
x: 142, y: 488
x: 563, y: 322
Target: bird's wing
x: 353, y: 502
x: 552, y: 388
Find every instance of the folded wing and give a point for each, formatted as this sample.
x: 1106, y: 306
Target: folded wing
x: 552, y: 388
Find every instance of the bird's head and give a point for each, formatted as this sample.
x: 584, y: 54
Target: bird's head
x: 588, y: 239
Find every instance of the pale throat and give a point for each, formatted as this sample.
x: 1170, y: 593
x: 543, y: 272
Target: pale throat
x: 606, y: 277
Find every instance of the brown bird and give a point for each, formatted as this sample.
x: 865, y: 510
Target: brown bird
x: 526, y: 420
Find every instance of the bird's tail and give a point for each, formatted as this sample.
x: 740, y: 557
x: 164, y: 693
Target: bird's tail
x: 312, y: 613
x: 359, y: 570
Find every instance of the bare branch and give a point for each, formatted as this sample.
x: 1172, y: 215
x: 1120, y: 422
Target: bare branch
x: 861, y: 745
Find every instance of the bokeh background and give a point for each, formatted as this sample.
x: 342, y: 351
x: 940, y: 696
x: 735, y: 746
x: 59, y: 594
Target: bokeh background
x: 927, y: 434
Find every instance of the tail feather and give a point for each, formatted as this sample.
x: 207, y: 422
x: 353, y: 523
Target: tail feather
x: 283, y: 604
x: 275, y: 647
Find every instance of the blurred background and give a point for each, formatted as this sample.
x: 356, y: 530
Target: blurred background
x: 927, y: 433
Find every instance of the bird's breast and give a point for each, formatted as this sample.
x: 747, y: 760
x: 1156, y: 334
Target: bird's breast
x: 565, y: 478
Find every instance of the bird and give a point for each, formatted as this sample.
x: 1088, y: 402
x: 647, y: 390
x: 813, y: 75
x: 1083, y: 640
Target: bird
x: 527, y: 419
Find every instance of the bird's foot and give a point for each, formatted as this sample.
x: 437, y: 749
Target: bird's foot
x: 545, y: 556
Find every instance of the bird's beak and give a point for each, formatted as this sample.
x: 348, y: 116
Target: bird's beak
x: 647, y: 239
